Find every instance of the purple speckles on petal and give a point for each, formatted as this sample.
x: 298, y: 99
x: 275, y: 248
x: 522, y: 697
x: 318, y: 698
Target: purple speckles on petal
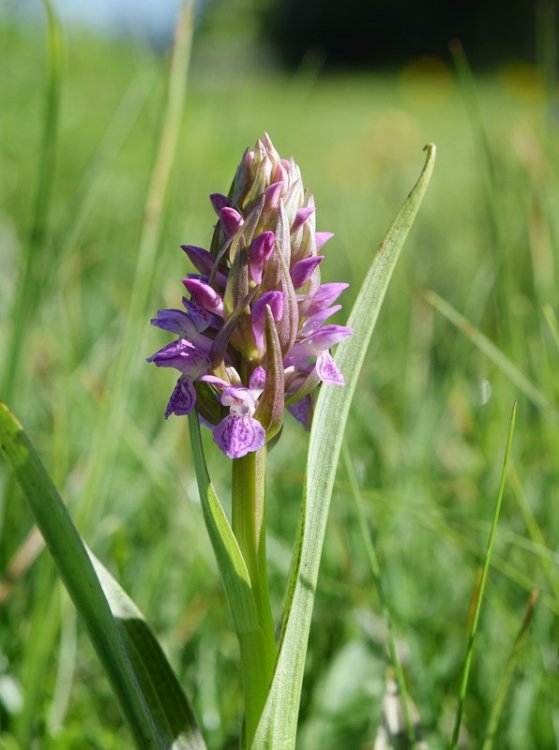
x: 327, y: 370
x: 240, y: 401
x: 182, y: 398
x: 258, y: 379
x: 237, y: 436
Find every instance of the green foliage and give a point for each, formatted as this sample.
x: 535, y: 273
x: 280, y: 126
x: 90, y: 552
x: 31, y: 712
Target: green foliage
x: 150, y: 697
x: 425, y: 434
x: 278, y: 726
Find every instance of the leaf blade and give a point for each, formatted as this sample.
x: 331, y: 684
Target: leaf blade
x: 278, y: 725
x: 117, y: 643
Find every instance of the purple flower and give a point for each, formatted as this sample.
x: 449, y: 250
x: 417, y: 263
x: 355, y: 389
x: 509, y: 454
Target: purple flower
x: 253, y: 337
x: 192, y: 361
x: 239, y: 433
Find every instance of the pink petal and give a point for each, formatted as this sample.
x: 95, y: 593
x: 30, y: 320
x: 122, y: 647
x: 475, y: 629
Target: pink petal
x: 327, y: 370
x: 261, y: 248
x: 321, y: 238
x: 312, y: 324
x: 231, y: 220
x: 325, y: 295
x: 273, y: 194
x: 204, y: 295
x: 274, y: 300
x: 301, y: 215
x: 302, y: 270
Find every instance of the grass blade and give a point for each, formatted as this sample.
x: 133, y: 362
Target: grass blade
x: 278, y: 725
x: 132, y: 658
x: 481, y: 592
x: 506, y: 679
x: 401, y: 692
x: 164, y: 696
x: 494, y: 354
x: 34, y: 264
x: 112, y: 418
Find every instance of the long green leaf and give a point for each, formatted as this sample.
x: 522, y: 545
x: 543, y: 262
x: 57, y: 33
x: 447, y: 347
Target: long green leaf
x: 233, y: 570
x: 150, y: 696
x: 232, y: 566
x: 479, y: 595
x: 278, y: 725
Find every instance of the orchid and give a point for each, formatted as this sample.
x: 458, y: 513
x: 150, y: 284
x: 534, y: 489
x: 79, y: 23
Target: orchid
x: 263, y: 257
x: 252, y: 341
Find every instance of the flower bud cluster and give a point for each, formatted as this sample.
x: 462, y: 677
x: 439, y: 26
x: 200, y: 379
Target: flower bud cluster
x: 253, y: 337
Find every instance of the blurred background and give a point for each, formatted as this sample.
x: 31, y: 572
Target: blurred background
x: 353, y: 91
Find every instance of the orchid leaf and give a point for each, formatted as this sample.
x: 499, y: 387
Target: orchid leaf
x: 231, y: 564
x: 235, y: 579
x: 150, y: 697
x: 278, y: 725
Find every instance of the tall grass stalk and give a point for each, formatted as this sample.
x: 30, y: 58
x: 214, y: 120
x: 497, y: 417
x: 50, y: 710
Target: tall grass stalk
x: 112, y: 418
x: 508, y: 674
x: 383, y: 601
x: 491, y: 351
x: 481, y: 592
x: 35, y: 263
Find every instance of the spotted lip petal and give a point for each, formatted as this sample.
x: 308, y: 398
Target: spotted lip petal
x: 183, y: 398
x: 237, y: 436
x: 327, y: 371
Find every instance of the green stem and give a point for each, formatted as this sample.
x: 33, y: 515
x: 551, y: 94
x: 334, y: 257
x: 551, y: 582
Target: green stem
x: 258, y: 652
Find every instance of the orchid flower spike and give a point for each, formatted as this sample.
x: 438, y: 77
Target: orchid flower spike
x: 253, y: 333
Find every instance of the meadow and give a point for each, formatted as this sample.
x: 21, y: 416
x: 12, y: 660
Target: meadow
x: 427, y: 430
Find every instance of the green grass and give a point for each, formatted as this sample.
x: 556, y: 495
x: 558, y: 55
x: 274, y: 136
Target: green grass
x: 426, y: 445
